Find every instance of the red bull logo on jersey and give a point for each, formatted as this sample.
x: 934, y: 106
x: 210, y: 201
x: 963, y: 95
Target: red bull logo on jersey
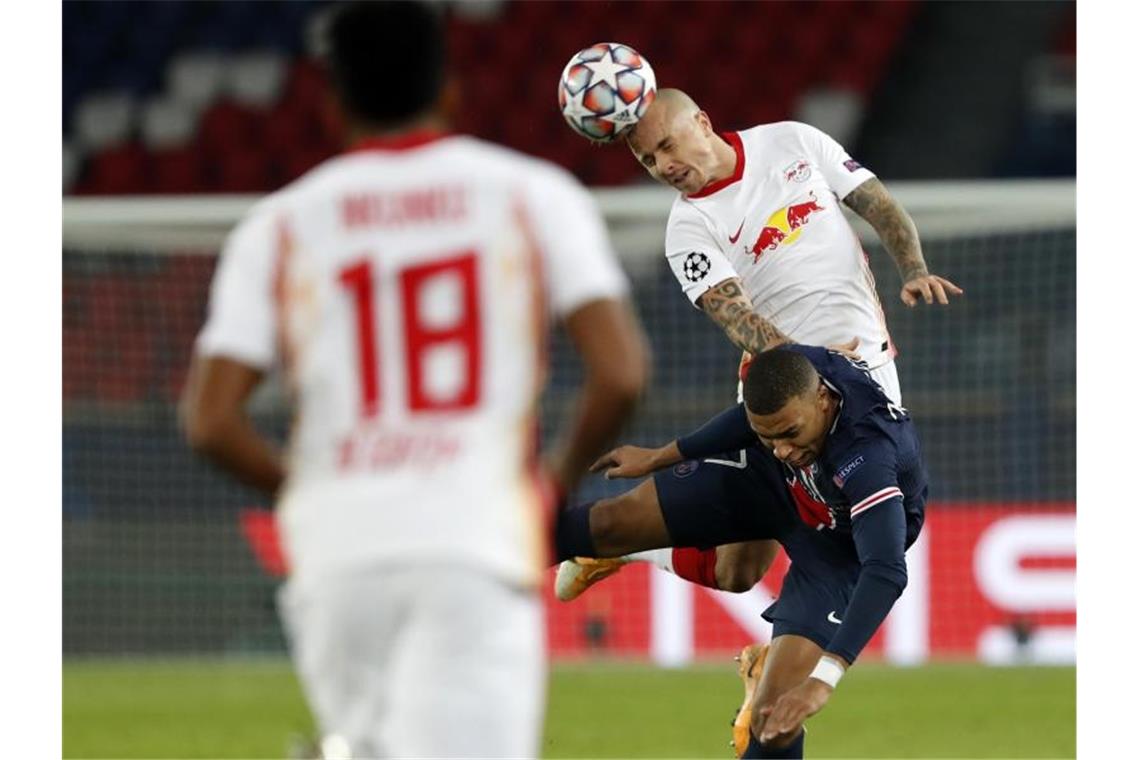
x: 784, y: 226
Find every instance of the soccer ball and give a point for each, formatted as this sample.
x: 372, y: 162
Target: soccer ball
x: 605, y: 89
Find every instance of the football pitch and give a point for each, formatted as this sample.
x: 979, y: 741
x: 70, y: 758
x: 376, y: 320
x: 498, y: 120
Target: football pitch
x: 249, y: 709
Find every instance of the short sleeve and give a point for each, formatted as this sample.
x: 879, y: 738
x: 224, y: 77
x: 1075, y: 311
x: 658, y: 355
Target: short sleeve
x: 842, y: 172
x: 694, y: 257
x: 867, y: 472
x: 581, y: 265
x: 240, y: 320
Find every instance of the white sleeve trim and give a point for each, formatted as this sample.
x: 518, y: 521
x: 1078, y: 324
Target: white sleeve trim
x: 878, y: 497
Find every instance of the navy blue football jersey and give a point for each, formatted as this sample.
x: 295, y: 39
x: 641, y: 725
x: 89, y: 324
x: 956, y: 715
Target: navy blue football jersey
x: 871, y: 454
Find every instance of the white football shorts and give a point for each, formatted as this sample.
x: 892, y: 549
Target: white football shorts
x: 430, y: 660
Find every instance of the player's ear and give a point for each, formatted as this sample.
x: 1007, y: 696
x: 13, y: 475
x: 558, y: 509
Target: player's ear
x: 821, y: 394
x: 704, y: 122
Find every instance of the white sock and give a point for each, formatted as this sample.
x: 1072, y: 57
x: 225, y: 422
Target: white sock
x: 662, y: 558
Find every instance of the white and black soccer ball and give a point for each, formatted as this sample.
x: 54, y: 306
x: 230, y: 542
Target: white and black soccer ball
x: 605, y: 89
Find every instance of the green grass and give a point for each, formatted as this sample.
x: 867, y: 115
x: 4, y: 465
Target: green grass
x: 248, y: 709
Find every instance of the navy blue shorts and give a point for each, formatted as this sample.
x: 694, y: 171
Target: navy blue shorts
x: 742, y: 496
x: 817, y: 588
x: 739, y: 496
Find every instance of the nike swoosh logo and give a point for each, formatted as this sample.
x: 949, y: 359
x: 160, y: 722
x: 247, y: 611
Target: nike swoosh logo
x: 832, y: 619
x: 733, y: 238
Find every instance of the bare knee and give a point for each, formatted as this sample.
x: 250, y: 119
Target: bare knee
x: 736, y: 576
x: 739, y: 567
x: 607, y: 527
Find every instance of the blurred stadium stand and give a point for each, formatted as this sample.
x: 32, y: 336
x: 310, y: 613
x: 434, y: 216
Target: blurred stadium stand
x: 962, y: 99
x: 180, y: 97
x: 222, y: 97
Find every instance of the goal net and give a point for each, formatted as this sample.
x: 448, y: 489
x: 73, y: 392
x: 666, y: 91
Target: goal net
x: 162, y: 554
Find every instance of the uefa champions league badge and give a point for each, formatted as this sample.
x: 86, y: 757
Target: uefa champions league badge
x: 696, y: 266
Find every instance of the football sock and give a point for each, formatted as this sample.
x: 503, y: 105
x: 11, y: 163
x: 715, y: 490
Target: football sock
x: 572, y: 533
x: 662, y: 558
x: 696, y: 565
x: 794, y: 751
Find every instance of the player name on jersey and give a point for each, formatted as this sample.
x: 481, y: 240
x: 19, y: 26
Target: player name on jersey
x: 428, y: 206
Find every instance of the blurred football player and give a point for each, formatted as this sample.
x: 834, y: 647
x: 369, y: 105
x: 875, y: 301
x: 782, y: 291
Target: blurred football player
x: 406, y: 287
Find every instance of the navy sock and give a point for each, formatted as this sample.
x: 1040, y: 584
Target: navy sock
x: 794, y: 751
x: 572, y: 533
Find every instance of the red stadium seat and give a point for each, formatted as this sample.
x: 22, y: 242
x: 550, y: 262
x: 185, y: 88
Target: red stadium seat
x: 227, y: 124
x: 177, y: 170
x: 242, y: 169
x: 117, y: 171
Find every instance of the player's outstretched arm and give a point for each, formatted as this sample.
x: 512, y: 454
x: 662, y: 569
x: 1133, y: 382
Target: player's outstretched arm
x: 728, y: 306
x: 636, y: 461
x: 896, y: 229
x: 216, y: 425
x: 727, y: 431
x: 609, y: 339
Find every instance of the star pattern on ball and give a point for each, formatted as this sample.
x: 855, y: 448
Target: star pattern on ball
x: 574, y: 107
x: 606, y: 69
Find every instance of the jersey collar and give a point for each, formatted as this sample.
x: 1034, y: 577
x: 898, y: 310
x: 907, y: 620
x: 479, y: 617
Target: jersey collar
x: 399, y: 142
x: 733, y: 139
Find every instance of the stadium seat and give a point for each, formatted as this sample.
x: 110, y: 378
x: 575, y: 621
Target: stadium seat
x: 105, y: 120
x: 178, y: 170
x: 72, y: 162
x: 167, y: 123
x: 116, y: 171
x: 255, y: 79
x: 242, y: 169
x: 226, y: 124
x: 195, y: 78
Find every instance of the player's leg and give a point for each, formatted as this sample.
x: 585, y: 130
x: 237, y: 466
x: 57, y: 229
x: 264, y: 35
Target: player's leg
x: 694, y: 504
x: 342, y: 653
x: 789, y: 661
x: 470, y: 677
x: 740, y: 566
x: 612, y: 527
x: 805, y: 617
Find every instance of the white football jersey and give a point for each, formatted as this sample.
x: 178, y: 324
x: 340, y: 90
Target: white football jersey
x: 405, y: 288
x: 776, y: 223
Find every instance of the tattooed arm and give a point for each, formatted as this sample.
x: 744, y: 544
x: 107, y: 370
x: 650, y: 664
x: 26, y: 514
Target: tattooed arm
x: 900, y: 237
x: 730, y: 308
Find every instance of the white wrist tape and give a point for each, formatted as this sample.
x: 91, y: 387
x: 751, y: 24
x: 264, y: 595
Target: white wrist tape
x: 828, y: 670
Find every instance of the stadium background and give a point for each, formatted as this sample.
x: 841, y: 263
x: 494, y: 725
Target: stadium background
x: 163, y: 557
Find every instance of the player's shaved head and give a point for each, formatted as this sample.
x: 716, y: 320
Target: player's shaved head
x: 674, y: 101
x: 775, y: 377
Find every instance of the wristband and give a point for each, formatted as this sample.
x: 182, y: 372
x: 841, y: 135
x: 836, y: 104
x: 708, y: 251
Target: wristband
x: 828, y: 670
